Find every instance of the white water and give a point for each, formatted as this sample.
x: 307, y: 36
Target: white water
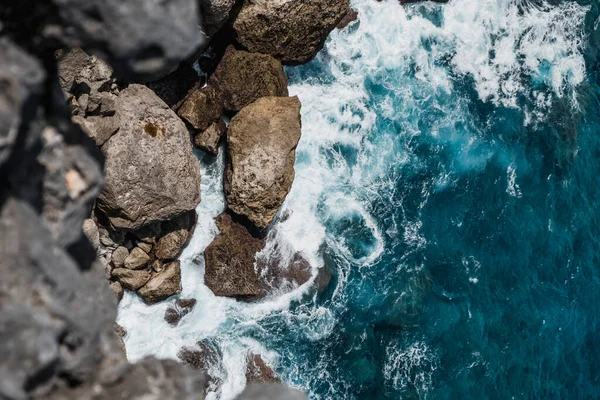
x: 487, y: 41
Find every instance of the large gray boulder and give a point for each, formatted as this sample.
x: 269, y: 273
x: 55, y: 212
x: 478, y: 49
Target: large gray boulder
x: 292, y: 31
x: 151, y: 172
x: 262, y: 140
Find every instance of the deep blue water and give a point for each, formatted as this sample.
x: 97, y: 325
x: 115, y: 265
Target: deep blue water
x: 488, y: 285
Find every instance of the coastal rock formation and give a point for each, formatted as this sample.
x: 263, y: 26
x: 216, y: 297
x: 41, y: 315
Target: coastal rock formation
x: 179, y: 309
x: 151, y: 173
x: 262, y: 140
x: 291, y: 31
x: 230, y: 262
x: 257, y: 371
x: 244, y: 77
x: 234, y: 270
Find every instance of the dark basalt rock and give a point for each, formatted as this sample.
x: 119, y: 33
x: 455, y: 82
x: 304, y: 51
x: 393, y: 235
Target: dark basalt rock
x: 244, y: 77
x: 291, y: 31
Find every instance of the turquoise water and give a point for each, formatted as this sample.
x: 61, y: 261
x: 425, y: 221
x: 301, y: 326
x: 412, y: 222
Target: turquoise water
x: 467, y: 146
x: 449, y: 176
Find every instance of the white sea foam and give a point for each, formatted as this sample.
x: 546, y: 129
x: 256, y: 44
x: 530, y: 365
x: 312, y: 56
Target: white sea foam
x: 495, y: 45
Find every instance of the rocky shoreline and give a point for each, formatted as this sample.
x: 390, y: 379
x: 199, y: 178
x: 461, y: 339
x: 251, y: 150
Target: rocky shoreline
x: 101, y: 108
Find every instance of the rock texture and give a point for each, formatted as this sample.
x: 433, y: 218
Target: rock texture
x: 215, y: 14
x: 232, y: 268
x: 179, y: 309
x: 291, y: 31
x: 351, y: 16
x: 151, y: 173
x: 209, y: 139
x: 244, y: 77
x: 262, y: 140
x: 264, y: 391
x: 257, y: 371
x: 163, y: 284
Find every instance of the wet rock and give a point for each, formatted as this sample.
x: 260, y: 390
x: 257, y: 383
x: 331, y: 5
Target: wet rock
x: 214, y: 14
x: 291, y: 31
x: 262, y: 140
x: 230, y: 258
x: 208, y: 140
x: 262, y: 391
x: 351, y: 16
x: 257, y: 371
x: 163, y: 284
x: 137, y: 259
x: 119, y: 256
x: 170, y: 246
x: 131, y: 279
x: 201, y: 356
x: 141, y: 41
x: 151, y: 172
x: 201, y: 108
x: 178, y: 310
x: 173, y: 88
x: 243, y: 77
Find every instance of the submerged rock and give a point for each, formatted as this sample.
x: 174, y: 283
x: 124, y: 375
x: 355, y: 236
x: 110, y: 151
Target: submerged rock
x: 178, y: 310
x: 257, y: 371
x: 291, y: 31
x: 151, y: 172
x: 243, y: 77
x: 262, y: 140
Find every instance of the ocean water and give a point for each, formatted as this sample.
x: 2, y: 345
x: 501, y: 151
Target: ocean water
x: 449, y: 176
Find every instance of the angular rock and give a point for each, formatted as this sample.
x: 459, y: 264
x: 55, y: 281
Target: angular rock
x: 131, y: 279
x: 257, y: 371
x: 243, y: 77
x: 137, y: 259
x: 146, y: 247
x: 214, y: 14
x: 201, y: 108
x: 141, y: 40
x: 170, y: 246
x: 151, y: 172
x: 209, y: 139
x: 201, y: 356
x: 119, y: 256
x: 262, y: 140
x: 163, y: 284
x: 351, y: 16
x: 230, y: 258
x: 178, y: 310
x: 99, y: 129
x: 291, y: 31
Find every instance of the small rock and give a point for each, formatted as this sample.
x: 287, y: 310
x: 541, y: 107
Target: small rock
x: 170, y: 246
x: 163, y: 284
x: 137, y: 259
x: 131, y: 279
x: 185, y: 303
x: 181, y: 308
x: 201, y: 108
x: 243, y: 77
x: 157, y: 265
x: 209, y: 139
x: 119, y: 256
x: 90, y: 230
x: 257, y: 371
x: 147, y: 247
